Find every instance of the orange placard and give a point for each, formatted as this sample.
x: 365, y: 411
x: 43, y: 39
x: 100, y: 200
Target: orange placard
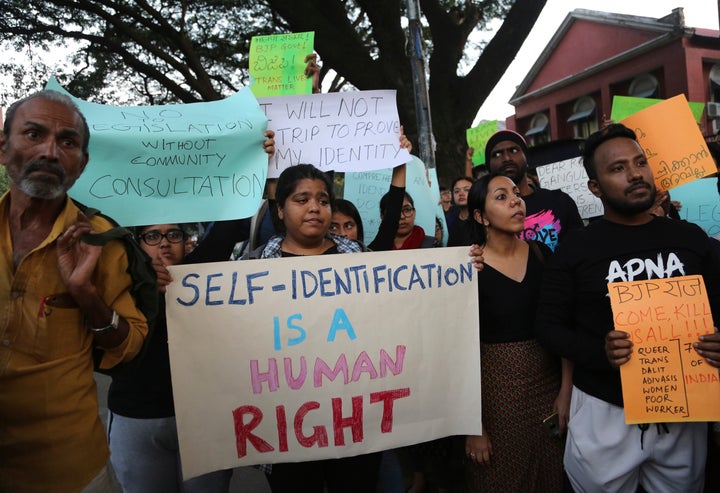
x: 665, y: 379
x: 672, y: 141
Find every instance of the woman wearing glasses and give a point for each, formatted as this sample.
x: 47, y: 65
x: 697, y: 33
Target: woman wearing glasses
x: 142, y: 434
x: 408, y: 235
x: 141, y: 423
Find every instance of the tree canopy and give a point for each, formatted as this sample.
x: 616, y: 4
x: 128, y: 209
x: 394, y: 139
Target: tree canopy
x: 162, y: 51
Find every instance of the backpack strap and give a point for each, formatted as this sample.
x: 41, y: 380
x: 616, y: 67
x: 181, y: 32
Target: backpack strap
x: 144, y: 288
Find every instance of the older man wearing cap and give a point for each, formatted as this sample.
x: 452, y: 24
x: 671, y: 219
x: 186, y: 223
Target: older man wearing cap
x: 550, y: 213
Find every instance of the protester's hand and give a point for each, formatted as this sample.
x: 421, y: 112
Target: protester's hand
x: 478, y: 448
x: 618, y: 347
x: 469, y: 154
x: 404, y: 141
x: 709, y: 348
x: 677, y: 204
x: 76, y: 259
x: 476, y: 257
x: 312, y: 69
x: 657, y: 208
x: 163, y: 274
x: 269, y: 143
x: 562, y: 407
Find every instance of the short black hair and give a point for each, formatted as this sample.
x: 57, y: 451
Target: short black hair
x: 50, y: 95
x: 385, y: 199
x: 612, y: 131
x: 290, y: 177
x: 348, y: 208
x: 476, y: 201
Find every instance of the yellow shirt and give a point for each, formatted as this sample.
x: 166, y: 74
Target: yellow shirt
x: 51, y: 438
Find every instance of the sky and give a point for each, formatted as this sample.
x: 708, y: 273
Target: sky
x: 698, y: 13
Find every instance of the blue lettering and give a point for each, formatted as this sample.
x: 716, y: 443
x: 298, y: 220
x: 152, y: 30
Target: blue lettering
x: 210, y: 288
x: 377, y: 278
x: 415, y: 278
x: 232, y: 299
x: 185, y: 283
x: 304, y: 275
x: 324, y: 282
x: 302, y: 335
x: 340, y: 321
x: 395, y: 277
x: 251, y: 289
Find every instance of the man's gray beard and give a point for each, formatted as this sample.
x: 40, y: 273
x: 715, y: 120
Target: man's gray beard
x: 37, y: 187
x: 40, y: 190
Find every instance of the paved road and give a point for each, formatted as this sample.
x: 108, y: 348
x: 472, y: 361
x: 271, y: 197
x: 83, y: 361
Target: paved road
x: 244, y: 480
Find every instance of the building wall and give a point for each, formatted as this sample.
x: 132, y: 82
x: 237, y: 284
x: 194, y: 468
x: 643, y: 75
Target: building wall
x: 682, y: 66
x: 585, y: 44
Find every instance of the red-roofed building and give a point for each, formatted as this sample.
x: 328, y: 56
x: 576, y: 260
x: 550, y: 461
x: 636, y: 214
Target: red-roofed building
x: 594, y: 56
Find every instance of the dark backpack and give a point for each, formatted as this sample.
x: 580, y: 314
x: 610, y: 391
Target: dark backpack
x: 144, y: 289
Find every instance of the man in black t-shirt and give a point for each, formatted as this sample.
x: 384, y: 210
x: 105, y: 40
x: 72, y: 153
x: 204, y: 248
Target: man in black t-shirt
x: 575, y: 320
x: 550, y: 213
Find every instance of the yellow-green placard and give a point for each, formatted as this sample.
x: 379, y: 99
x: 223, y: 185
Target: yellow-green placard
x: 477, y: 137
x: 277, y: 64
x: 624, y: 106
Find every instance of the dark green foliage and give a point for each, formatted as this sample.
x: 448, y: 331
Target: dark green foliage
x: 157, y: 52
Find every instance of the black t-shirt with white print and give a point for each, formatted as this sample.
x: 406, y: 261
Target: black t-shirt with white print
x: 574, y: 313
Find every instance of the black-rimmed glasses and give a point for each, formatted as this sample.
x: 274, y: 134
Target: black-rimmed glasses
x: 154, y: 237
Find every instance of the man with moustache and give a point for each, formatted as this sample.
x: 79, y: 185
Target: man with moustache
x: 61, y: 297
x: 550, y: 213
x: 575, y: 321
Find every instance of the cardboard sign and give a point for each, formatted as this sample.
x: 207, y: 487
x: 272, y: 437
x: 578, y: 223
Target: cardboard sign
x: 477, y: 137
x: 175, y: 163
x: 673, y: 144
x: 325, y: 356
x: 277, y: 64
x: 624, y: 106
x: 570, y: 177
x: 665, y: 379
x: 700, y: 204
x: 341, y: 131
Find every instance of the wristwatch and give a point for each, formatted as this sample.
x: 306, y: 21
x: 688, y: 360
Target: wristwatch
x: 113, y: 325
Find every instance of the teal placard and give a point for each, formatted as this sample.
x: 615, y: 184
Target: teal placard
x: 477, y: 137
x: 277, y: 64
x: 624, y: 106
x: 175, y: 163
x: 365, y: 189
x: 700, y: 203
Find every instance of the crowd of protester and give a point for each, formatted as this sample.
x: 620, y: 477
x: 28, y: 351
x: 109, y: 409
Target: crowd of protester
x: 552, y: 411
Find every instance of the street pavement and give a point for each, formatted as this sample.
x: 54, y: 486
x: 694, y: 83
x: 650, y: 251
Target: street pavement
x: 244, y: 480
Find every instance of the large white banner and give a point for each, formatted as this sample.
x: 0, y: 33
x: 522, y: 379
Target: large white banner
x: 326, y: 356
x: 341, y: 131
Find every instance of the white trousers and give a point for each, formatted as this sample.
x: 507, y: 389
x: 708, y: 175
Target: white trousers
x: 604, y: 455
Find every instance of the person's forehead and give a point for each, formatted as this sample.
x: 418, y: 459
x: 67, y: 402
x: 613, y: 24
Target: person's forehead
x: 620, y: 148
x: 462, y: 184
x: 505, y: 144
x: 341, y: 217
x: 160, y: 227
x: 308, y: 185
x: 503, y: 182
x: 45, y: 111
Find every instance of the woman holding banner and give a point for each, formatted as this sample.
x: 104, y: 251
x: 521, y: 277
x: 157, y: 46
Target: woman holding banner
x: 304, y: 196
x: 521, y: 382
